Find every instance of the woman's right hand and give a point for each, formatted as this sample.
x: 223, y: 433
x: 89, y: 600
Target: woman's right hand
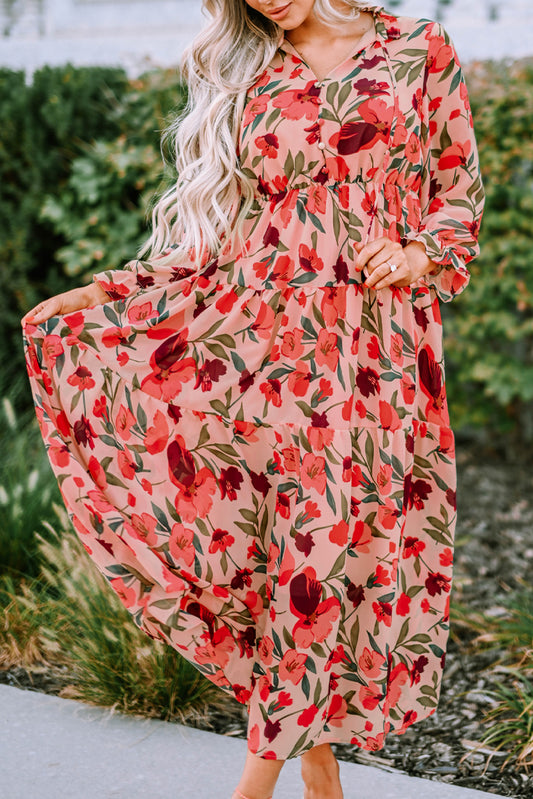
x: 68, y: 302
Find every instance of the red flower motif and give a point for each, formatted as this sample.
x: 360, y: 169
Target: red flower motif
x: 298, y: 103
x: 268, y: 144
x: 402, y: 605
x: 81, y: 379
x: 309, y: 260
x: 307, y: 716
x: 455, y: 155
x: 169, y: 368
x: 313, y: 472
x: 220, y: 541
x: 326, y: 350
x: 272, y: 391
x: 292, y: 666
x: 413, y: 546
x: 354, y: 136
x: 383, y: 611
x: 316, y: 618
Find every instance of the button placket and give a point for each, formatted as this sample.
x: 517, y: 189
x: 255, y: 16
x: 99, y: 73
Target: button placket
x: 321, y: 144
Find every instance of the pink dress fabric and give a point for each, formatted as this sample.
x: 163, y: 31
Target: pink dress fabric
x: 257, y: 453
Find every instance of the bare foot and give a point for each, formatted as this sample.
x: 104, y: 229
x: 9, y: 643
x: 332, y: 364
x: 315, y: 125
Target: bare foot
x: 320, y: 773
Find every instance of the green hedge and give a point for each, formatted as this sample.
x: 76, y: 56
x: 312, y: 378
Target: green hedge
x: 79, y: 149
x: 489, y: 328
x: 80, y: 160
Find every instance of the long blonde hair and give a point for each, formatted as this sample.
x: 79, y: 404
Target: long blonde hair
x: 199, y: 215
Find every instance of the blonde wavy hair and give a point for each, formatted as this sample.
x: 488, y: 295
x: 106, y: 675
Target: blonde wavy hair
x: 201, y: 213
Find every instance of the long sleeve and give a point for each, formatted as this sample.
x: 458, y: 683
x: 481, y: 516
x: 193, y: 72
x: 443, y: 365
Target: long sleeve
x: 452, y: 194
x: 137, y: 276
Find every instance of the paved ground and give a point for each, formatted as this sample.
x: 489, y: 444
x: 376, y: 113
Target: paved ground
x: 52, y: 748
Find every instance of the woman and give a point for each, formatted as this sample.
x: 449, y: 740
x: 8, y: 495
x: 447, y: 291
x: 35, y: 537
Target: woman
x: 250, y: 426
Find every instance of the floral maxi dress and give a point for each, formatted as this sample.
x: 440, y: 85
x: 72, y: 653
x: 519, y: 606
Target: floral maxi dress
x: 256, y: 453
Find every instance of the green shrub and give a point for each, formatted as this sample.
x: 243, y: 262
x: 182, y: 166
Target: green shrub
x: 71, y: 620
x: 489, y: 327
x: 28, y: 489
x: 42, y: 127
x: 101, y: 214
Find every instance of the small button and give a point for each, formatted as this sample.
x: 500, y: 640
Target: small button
x: 321, y: 146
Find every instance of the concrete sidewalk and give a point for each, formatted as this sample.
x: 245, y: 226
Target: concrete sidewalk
x: 52, y: 748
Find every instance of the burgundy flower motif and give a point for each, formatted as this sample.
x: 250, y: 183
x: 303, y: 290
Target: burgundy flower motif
x: 200, y: 308
x: 356, y: 594
x: 355, y: 136
x: 371, y: 87
x: 418, y: 667
x: 304, y: 543
x: 246, y: 380
x: 419, y: 491
x: 430, y: 373
x: 144, y: 281
x: 242, y: 577
x: 179, y: 273
x: 174, y: 411
x: 341, y: 270
x: 272, y: 729
x: 83, y: 432
x: 367, y: 381
x: 260, y: 482
x: 305, y: 594
x: 210, y: 373
x: 246, y: 642
x: 436, y: 583
x: 271, y: 236
x: 181, y: 463
x: 229, y: 482
x: 451, y: 498
x: 205, y: 615
x: 170, y: 351
x: 421, y: 317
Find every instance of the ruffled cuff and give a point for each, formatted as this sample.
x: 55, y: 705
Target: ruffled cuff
x: 452, y: 275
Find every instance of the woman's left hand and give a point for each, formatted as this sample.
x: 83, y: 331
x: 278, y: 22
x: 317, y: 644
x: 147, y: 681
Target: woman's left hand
x: 377, y: 257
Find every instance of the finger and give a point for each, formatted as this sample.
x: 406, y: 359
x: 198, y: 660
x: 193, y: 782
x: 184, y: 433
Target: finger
x: 388, y: 255
x: 381, y: 272
x: 368, y: 251
x: 42, y: 312
x: 397, y: 278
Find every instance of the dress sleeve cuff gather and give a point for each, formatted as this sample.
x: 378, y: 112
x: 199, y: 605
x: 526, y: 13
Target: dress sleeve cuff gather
x: 452, y: 275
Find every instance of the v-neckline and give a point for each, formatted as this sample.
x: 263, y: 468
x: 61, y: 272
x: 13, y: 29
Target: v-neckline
x: 367, y: 38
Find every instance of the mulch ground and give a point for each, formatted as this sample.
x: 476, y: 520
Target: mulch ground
x: 494, y: 553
